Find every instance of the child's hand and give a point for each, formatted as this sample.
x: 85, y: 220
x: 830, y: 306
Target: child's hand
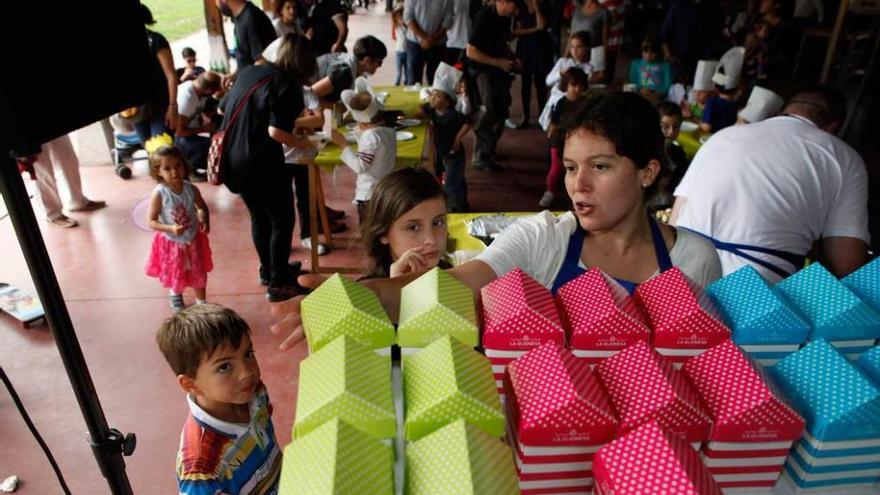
x: 204, y: 224
x: 686, y: 110
x: 415, y: 260
x: 177, y: 229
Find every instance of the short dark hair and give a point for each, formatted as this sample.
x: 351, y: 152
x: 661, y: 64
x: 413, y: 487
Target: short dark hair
x: 651, y: 44
x: 296, y: 57
x: 369, y: 46
x: 394, y: 195
x: 628, y: 120
x: 669, y: 109
x: 584, y: 37
x: 192, y: 335
x: 147, y: 16
x: 279, y: 6
x: 822, y: 104
x: 187, y: 52
x: 576, y: 76
x: 209, y: 81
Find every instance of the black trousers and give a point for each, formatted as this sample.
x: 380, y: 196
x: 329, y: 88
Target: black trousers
x: 300, y: 174
x: 272, y: 220
x: 419, y: 61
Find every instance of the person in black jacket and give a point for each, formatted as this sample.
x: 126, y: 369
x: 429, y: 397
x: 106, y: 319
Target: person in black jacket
x: 254, y: 160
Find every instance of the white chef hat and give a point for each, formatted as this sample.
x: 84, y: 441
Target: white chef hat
x: 729, y: 69
x: 703, y: 75
x: 366, y: 115
x: 446, y: 79
x: 597, y: 57
x: 762, y: 104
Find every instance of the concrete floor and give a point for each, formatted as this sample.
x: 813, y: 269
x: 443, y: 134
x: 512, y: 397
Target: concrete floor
x: 116, y: 310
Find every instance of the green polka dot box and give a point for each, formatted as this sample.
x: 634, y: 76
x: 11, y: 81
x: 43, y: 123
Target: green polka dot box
x: 651, y: 459
x: 459, y: 459
x: 762, y: 323
x: 434, y: 305
x: 835, y: 313
x: 865, y: 283
x: 346, y: 380
x: 445, y: 382
x: 334, y: 459
x: 343, y: 307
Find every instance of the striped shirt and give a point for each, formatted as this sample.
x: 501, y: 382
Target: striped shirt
x: 230, y: 458
x: 615, y: 32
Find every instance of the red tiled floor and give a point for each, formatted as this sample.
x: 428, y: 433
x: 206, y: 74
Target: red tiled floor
x: 116, y: 311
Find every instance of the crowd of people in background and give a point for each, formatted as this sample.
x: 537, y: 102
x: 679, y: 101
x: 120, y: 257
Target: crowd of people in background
x: 704, y: 67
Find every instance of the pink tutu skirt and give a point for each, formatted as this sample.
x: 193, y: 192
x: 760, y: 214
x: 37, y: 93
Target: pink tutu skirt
x: 178, y: 266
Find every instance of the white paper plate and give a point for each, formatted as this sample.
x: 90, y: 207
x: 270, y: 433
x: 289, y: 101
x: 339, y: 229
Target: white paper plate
x: 688, y: 126
x: 351, y: 137
x: 381, y: 96
x: 405, y: 135
x: 409, y: 122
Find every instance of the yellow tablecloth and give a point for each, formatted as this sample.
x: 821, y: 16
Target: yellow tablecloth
x: 409, y: 153
x: 460, y: 240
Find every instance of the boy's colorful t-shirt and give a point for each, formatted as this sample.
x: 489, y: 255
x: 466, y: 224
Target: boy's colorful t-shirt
x: 230, y: 458
x: 656, y: 76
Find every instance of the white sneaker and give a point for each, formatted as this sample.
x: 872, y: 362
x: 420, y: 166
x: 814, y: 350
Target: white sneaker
x: 509, y: 124
x: 307, y: 243
x: 546, y: 199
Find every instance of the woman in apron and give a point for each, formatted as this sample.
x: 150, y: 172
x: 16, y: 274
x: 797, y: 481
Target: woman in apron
x: 613, y: 156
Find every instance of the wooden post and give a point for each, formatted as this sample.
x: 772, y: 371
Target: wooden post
x: 832, y: 42
x: 219, y: 56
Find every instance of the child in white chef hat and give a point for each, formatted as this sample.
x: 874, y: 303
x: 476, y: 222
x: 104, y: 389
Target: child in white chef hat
x: 376, y: 150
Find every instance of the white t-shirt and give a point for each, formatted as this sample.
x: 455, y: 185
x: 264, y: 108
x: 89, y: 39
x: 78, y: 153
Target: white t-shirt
x: 780, y: 184
x: 538, y: 245
x: 374, y: 159
x: 190, y: 104
x: 282, y: 29
x: 458, y: 34
x: 400, y: 39
x: 296, y: 155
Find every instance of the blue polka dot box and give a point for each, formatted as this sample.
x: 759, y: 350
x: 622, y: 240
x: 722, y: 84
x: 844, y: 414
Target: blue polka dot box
x: 763, y: 324
x: 836, y: 399
x: 835, y: 313
x: 865, y: 283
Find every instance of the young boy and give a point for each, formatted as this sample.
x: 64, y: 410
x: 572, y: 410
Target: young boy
x: 450, y: 126
x: 376, y: 143
x: 575, y: 82
x: 651, y: 75
x: 191, y: 70
x: 228, y: 441
x: 670, y: 124
x: 720, y: 111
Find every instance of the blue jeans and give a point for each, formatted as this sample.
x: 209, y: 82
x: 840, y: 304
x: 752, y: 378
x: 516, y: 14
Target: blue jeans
x: 195, y: 150
x: 419, y: 61
x: 455, y: 186
x: 155, y: 125
x: 400, y: 68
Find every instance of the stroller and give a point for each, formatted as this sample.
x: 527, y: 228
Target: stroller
x: 124, y: 143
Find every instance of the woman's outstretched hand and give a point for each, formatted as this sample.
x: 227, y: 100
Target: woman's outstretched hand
x: 290, y: 324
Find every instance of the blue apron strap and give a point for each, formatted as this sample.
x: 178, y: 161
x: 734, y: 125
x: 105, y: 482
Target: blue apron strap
x: 740, y: 250
x: 570, y: 269
x: 663, y: 260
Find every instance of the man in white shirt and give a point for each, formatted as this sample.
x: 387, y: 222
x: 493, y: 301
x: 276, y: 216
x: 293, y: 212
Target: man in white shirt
x: 192, y: 96
x: 764, y: 192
